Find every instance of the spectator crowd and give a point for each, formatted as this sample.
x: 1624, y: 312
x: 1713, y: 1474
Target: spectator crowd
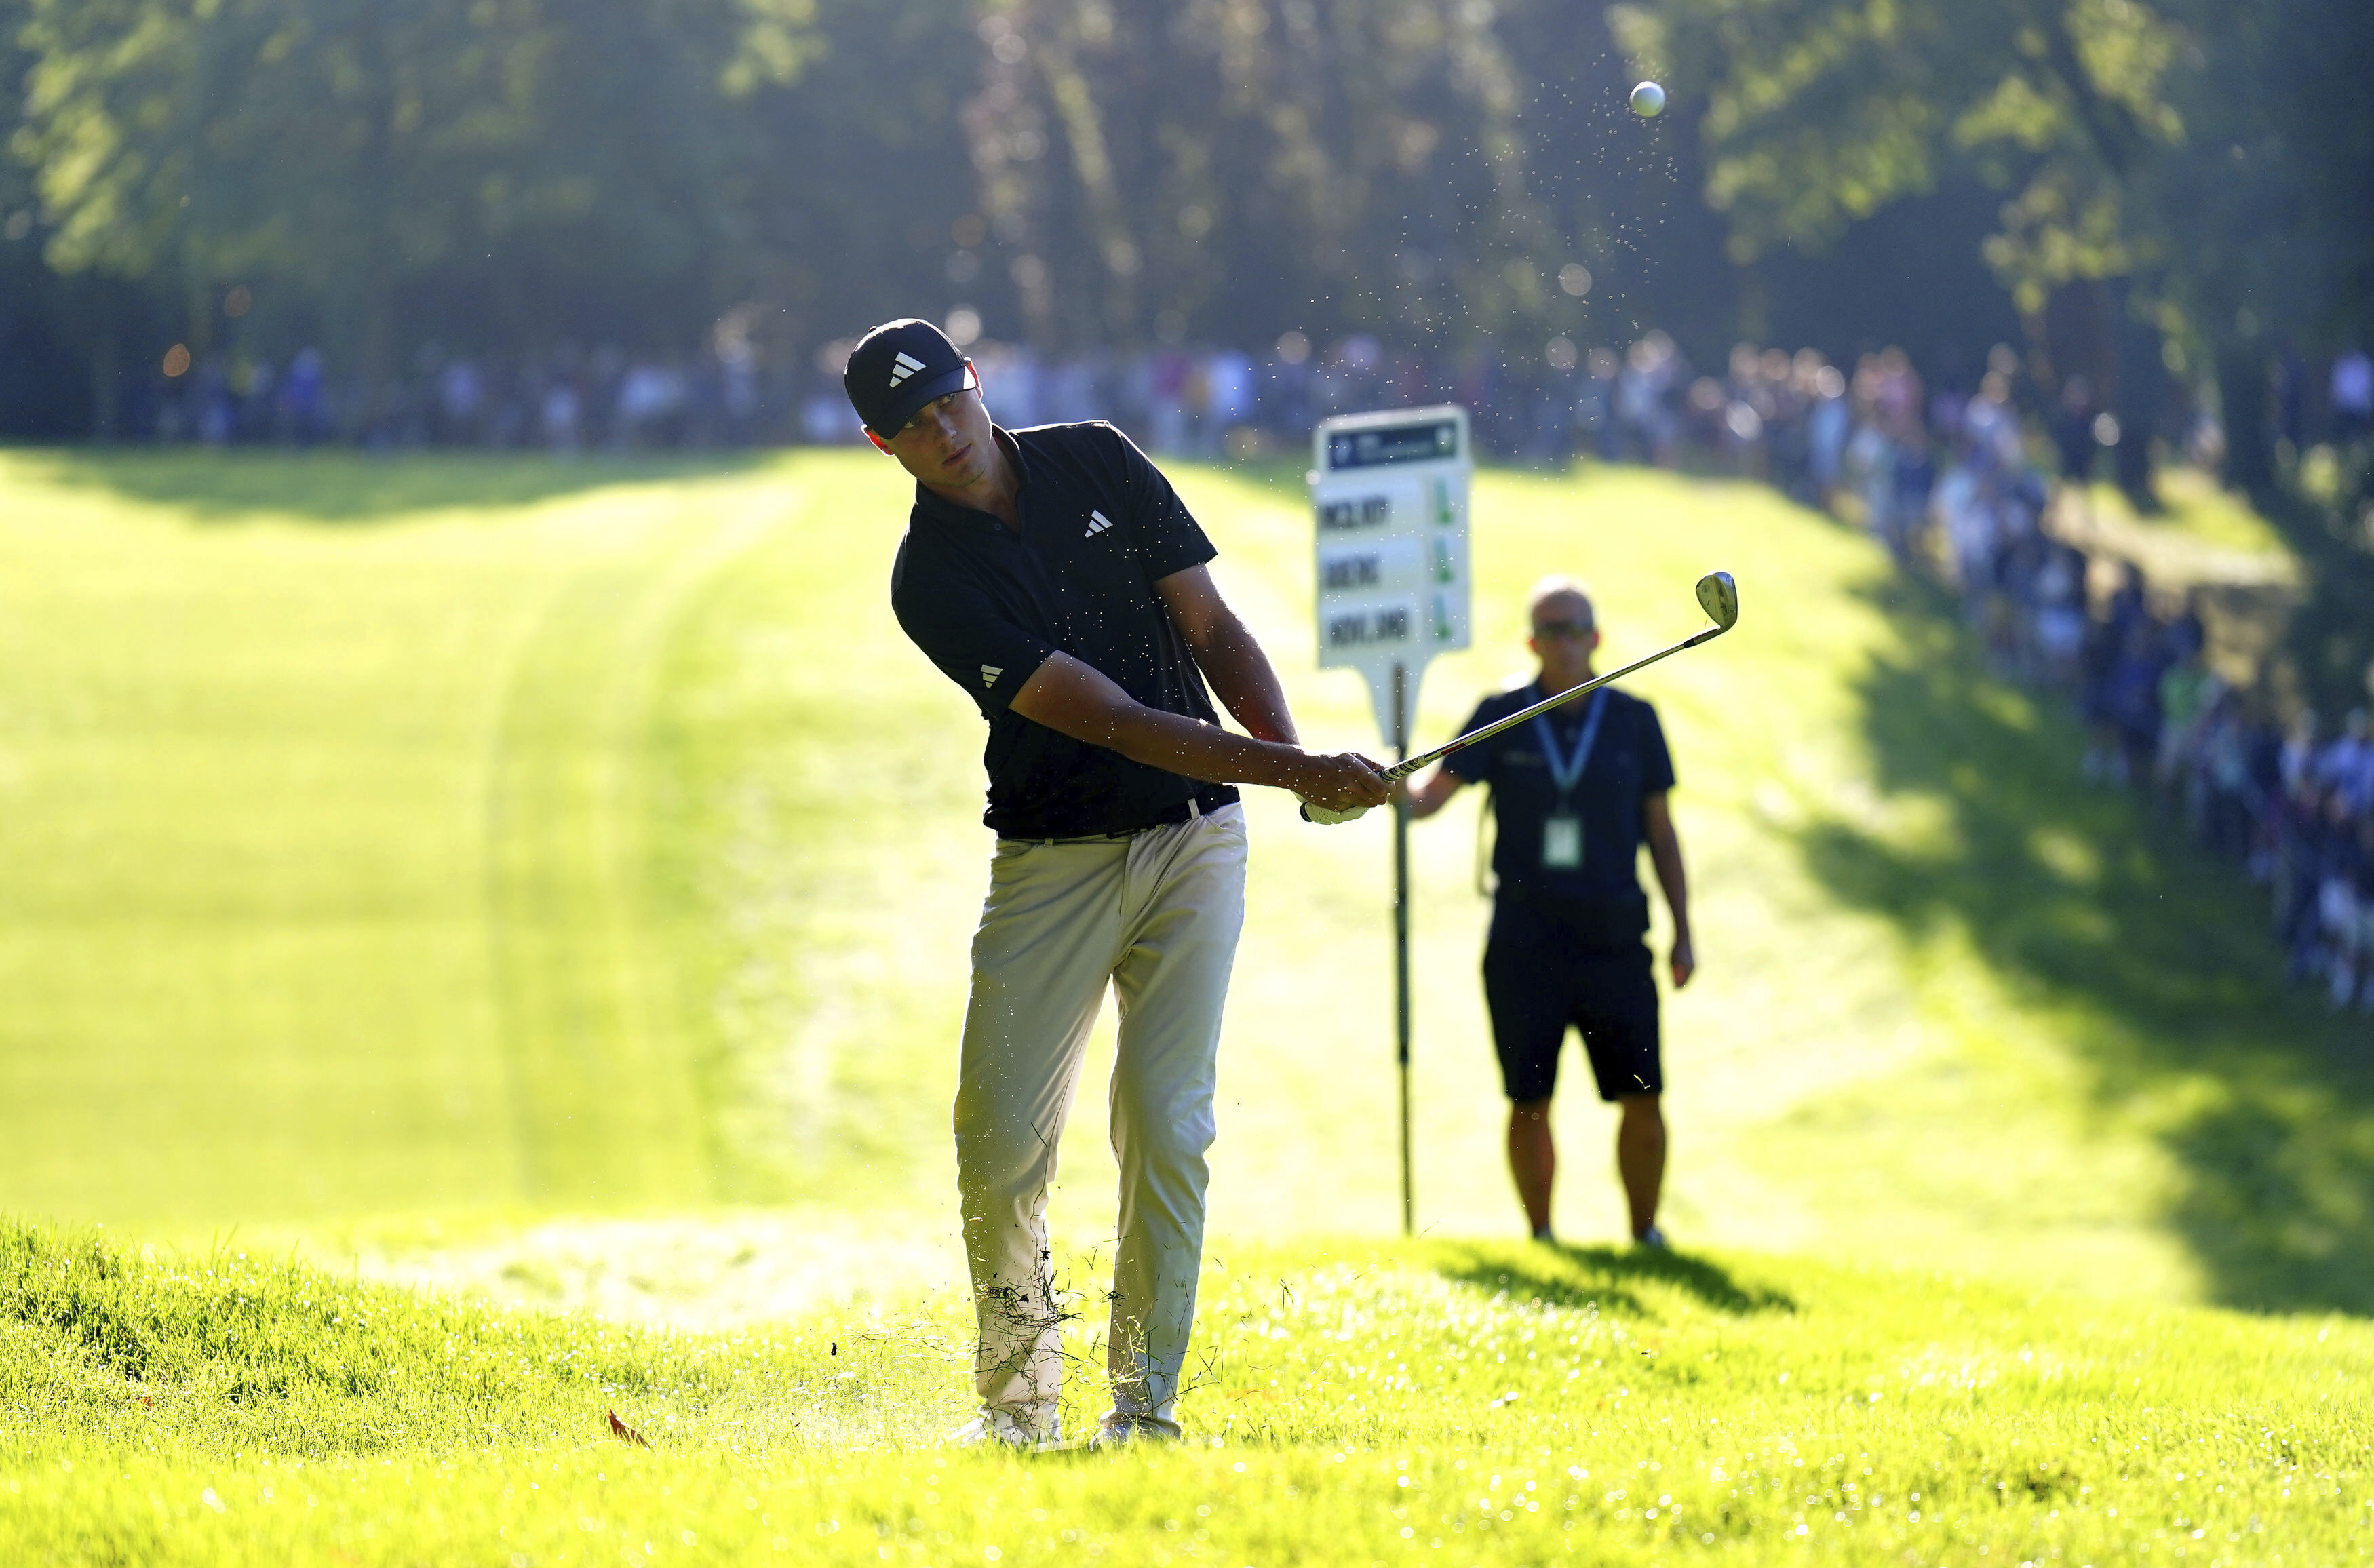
x: 1948, y: 481
x: 1946, y: 475
x: 566, y: 402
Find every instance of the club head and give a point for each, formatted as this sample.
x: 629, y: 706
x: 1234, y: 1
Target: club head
x: 1719, y: 597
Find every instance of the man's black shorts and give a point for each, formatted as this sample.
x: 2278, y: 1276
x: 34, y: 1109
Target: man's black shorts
x: 1541, y: 976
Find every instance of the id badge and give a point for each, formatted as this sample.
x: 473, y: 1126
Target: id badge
x: 1562, y: 843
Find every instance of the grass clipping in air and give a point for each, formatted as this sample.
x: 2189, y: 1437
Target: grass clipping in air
x: 1427, y: 1403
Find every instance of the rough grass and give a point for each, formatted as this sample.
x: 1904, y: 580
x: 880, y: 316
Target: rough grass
x: 1361, y: 1403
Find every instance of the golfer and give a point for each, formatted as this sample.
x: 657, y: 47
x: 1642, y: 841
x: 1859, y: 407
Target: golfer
x: 1575, y: 793
x: 1054, y: 576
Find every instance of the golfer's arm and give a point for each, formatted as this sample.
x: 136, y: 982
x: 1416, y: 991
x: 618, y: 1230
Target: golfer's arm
x: 1433, y: 793
x: 1665, y: 854
x: 1228, y: 655
x: 1076, y: 700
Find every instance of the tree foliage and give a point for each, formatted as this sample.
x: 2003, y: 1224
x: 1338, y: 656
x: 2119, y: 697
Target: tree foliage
x: 368, y: 154
x: 507, y: 171
x: 2207, y: 167
x: 1819, y: 112
x: 2220, y: 157
x: 1155, y: 161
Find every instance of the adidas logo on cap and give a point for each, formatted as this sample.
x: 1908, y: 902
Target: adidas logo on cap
x: 898, y: 366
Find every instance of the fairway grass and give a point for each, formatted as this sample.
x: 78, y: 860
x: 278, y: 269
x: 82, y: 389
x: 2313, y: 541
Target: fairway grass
x: 402, y: 855
x: 1355, y: 1403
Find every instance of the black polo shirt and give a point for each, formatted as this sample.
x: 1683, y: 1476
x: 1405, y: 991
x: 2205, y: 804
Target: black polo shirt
x: 1101, y: 526
x: 1629, y: 762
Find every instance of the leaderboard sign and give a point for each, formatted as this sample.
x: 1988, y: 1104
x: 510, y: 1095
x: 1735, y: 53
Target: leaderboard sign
x: 1389, y: 493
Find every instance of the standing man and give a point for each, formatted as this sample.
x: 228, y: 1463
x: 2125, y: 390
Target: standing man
x: 1054, y: 576
x: 1575, y: 793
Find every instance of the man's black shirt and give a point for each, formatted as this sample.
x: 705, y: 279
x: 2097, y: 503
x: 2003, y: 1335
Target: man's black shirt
x: 1101, y: 526
x: 1628, y: 761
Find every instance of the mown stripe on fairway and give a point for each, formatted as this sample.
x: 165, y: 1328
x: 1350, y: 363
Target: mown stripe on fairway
x: 253, y: 771
x: 601, y: 1088
x: 1952, y: 1010
x: 238, y: 885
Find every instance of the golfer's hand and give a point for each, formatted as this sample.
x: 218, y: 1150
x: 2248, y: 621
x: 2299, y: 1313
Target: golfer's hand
x: 1345, y: 783
x: 1685, y: 961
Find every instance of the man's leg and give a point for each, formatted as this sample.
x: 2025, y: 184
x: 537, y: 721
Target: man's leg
x: 1526, y: 963
x: 1640, y: 1158
x: 1618, y: 1016
x: 1049, y: 931
x: 1185, y: 905
x: 1533, y: 1160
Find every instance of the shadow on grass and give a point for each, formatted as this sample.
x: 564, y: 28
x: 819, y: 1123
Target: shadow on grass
x: 346, y: 487
x: 2157, y: 959
x: 1607, y: 1277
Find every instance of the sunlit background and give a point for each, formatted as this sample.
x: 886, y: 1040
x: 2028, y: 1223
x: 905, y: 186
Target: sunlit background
x: 464, y: 804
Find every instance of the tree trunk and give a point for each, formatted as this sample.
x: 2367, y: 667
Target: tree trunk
x: 2242, y: 395
x: 106, y: 367
x: 2081, y: 339
x: 375, y: 354
x: 2142, y: 380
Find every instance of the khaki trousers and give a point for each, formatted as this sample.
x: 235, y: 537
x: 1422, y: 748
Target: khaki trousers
x: 1156, y: 916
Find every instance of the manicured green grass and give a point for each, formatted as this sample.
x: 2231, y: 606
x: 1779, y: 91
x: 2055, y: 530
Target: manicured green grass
x: 448, y: 841
x: 323, y: 836
x: 399, y: 854
x: 1361, y: 1403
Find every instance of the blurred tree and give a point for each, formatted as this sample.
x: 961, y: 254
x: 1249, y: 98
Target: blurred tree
x: 1622, y: 193
x: 63, y: 357
x: 861, y: 194
x: 386, y: 158
x: 1820, y: 112
x: 1232, y: 167
x: 2270, y: 203
x: 2273, y: 201
x: 1458, y: 175
x: 15, y: 61
x: 2189, y: 185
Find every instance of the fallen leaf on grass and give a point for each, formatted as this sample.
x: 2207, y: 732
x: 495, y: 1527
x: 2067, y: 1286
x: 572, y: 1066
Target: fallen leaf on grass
x: 626, y: 1433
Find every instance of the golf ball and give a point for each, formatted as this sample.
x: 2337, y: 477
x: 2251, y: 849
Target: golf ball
x: 1648, y: 100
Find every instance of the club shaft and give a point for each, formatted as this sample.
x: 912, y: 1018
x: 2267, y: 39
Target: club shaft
x: 1485, y: 733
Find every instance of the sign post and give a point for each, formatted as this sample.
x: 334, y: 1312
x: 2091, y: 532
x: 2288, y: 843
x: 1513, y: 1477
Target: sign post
x: 1389, y: 491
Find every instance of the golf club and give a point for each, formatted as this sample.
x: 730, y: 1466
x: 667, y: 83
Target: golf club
x: 1718, y: 595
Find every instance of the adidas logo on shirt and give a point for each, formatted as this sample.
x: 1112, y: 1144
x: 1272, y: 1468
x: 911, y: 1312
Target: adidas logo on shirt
x: 903, y: 367
x: 989, y: 674
x: 1098, y: 523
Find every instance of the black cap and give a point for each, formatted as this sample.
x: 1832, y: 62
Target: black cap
x: 896, y: 369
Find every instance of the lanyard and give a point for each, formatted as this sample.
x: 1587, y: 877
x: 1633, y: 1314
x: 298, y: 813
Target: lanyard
x: 1565, y: 772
